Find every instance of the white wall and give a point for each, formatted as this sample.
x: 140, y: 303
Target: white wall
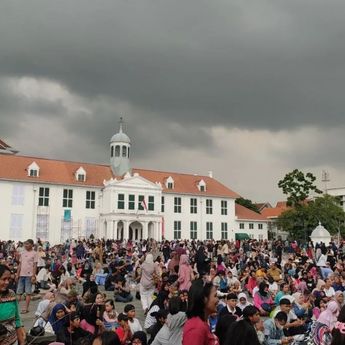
x: 201, y: 217
x: 256, y: 233
x: 106, y: 202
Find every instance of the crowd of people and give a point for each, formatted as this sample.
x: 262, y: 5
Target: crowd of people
x: 191, y: 292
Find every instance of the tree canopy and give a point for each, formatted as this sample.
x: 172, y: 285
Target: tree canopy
x: 301, y: 221
x: 298, y: 186
x: 247, y: 203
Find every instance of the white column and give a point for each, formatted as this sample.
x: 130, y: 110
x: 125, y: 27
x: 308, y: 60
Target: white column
x: 115, y: 230
x: 105, y: 232
x: 125, y: 230
x: 145, y: 230
x: 158, y: 231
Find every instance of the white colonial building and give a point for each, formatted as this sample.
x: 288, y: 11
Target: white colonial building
x: 55, y: 200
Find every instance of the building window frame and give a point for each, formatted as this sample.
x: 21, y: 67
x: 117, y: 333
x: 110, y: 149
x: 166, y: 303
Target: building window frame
x: 193, y: 205
x: 121, y: 201
x: 209, y: 230
x: 177, y: 204
x: 90, y: 199
x: 251, y: 226
x: 177, y: 230
x: 141, y: 198
x: 67, y: 198
x: 224, y: 207
x: 224, y: 231
x: 260, y: 226
x: 209, y: 206
x: 193, y: 230
x: 131, y: 202
x: 43, y: 196
x: 151, y: 203
x: 242, y: 227
x: 162, y: 204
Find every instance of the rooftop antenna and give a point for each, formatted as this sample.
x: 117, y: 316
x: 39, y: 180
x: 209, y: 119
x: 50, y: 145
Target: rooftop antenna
x: 325, y: 179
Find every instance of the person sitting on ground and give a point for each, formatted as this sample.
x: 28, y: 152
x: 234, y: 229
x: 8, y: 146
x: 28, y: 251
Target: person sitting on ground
x: 161, y: 318
x: 159, y: 303
x: 338, y: 333
x: 293, y: 325
x: 231, y: 306
x: 139, y: 338
x: 284, y: 290
x: 122, y: 292
x: 69, y: 333
x: 107, y: 338
x: 133, y: 322
x: 273, y: 330
x: 110, y: 316
x: 171, y: 332
x: 242, y: 301
x: 241, y: 333
x: 123, y: 331
x: 263, y: 300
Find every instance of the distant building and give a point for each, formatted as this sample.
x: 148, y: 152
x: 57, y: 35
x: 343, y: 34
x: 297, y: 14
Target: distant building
x: 55, y: 200
x: 271, y: 214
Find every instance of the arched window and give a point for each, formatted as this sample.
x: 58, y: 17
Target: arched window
x: 128, y: 153
x: 124, y: 151
x: 117, y: 151
x: 112, y: 151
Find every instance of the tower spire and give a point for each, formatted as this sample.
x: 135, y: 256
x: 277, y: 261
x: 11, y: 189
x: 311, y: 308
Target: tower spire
x: 121, y: 125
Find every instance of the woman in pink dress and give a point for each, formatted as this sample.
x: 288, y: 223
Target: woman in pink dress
x: 185, y: 273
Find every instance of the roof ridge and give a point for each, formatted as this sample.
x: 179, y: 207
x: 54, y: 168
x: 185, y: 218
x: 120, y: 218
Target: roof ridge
x: 63, y: 160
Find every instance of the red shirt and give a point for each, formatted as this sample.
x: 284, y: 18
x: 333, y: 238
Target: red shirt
x: 197, y: 332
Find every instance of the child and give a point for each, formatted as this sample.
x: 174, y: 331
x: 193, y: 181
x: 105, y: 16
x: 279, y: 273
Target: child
x: 123, y: 331
x: 109, y: 316
x: 133, y: 322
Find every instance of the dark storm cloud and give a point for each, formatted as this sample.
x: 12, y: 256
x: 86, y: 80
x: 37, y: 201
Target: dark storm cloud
x: 176, y: 70
x: 271, y: 64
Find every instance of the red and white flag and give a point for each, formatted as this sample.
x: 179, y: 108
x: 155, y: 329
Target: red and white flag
x: 143, y: 205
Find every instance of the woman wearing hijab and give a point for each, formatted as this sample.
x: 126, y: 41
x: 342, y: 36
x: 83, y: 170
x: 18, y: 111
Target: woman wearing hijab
x: 300, y: 308
x: 44, y: 309
x: 147, y: 284
x: 202, y: 264
x: 185, y: 273
x: 57, y: 319
x: 159, y: 303
x: 242, y: 301
x: 321, y: 332
x: 339, y: 298
x: 263, y: 300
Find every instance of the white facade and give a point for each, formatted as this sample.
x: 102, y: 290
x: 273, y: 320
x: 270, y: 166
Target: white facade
x: 23, y: 214
x: 256, y: 229
x: 57, y: 200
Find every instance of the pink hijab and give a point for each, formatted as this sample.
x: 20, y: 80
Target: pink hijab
x: 184, y: 273
x: 329, y: 316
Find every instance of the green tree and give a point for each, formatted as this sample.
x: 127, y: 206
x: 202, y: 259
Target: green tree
x: 247, y: 203
x: 298, y: 186
x: 301, y: 221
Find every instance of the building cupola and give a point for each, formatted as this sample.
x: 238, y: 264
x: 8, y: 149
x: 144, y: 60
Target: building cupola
x: 120, y: 145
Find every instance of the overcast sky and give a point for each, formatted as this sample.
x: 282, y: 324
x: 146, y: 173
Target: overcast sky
x: 247, y: 89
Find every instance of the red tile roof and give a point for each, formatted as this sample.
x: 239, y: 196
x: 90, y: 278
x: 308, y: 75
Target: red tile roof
x: 273, y: 212
x: 63, y: 172
x: 244, y: 213
x: 281, y: 204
